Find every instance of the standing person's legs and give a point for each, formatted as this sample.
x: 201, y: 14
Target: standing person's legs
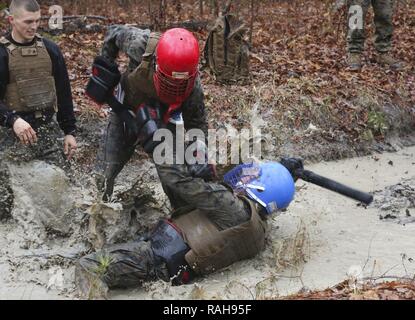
x: 356, y: 25
x: 383, y: 10
x: 7, y: 143
x: 114, y: 152
x: 6, y: 192
x: 384, y: 32
x: 49, y: 147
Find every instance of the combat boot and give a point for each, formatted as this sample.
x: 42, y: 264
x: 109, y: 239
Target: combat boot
x: 354, y: 61
x: 386, y: 59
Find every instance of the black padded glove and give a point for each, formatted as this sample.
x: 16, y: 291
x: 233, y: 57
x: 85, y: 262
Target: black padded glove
x: 294, y: 165
x: 105, y: 76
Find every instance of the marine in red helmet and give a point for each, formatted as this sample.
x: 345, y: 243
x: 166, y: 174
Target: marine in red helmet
x: 160, y: 89
x: 177, y: 59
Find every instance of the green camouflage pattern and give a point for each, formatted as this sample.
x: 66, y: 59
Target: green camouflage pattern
x: 383, y: 16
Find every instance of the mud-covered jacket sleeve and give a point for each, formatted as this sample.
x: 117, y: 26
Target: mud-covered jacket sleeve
x: 65, y: 115
x: 194, y: 110
x: 130, y: 40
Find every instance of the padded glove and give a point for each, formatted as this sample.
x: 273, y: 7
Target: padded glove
x: 294, y: 165
x: 105, y: 77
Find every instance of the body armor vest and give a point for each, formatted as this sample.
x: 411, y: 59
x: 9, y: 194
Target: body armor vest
x: 31, y: 83
x: 212, y: 249
x: 138, y: 84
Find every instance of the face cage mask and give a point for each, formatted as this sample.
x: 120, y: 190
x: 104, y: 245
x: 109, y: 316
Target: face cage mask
x: 173, y: 89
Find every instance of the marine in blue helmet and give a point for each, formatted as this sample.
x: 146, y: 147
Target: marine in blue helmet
x: 214, y: 225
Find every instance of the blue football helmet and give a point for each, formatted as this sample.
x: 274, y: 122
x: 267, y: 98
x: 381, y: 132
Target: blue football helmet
x: 270, y: 184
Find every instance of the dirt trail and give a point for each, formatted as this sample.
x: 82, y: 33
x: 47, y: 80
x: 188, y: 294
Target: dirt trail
x: 322, y: 239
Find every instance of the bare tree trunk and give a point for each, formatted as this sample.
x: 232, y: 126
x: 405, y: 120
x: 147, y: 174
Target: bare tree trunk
x: 178, y: 6
x: 227, y: 7
x: 201, y: 8
x: 162, y: 12
x: 154, y: 15
x: 252, y: 22
x: 215, y: 7
x: 165, y: 12
x: 150, y: 13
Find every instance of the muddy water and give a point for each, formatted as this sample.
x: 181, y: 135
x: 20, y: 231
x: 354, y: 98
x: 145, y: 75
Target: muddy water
x: 321, y: 240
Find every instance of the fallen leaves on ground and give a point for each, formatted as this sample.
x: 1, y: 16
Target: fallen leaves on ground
x: 369, y: 290
x: 297, y: 64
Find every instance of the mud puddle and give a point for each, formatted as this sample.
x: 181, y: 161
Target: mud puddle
x: 322, y: 239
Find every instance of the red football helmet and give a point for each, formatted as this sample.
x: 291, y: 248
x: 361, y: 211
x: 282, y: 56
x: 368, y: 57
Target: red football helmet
x: 177, y: 59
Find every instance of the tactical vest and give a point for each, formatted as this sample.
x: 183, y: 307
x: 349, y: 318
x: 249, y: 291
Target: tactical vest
x: 31, y: 83
x: 226, y: 52
x: 138, y: 84
x: 212, y: 249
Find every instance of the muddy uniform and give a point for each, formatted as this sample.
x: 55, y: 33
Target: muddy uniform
x: 115, y: 149
x: 212, y: 230
x: 383, y: 10
x: 34, y: 85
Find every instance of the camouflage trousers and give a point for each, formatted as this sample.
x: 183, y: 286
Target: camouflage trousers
x: 113, y: 154
x: 383, y: 15
x: 12, y: 151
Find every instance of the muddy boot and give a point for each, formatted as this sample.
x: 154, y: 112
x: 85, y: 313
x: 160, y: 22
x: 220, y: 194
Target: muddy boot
x: 354, y: 61
x: 387, y: 60
x: 89, y: 285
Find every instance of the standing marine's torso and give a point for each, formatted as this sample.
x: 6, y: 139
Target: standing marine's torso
x: 31, y: 84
